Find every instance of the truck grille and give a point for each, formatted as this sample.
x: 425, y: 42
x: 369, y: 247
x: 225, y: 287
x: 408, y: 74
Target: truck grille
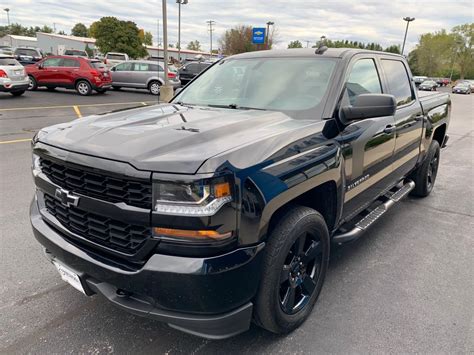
x: 102, y: 230
x: 75, y: 178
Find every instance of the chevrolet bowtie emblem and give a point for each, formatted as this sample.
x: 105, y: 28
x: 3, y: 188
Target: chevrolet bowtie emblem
x: 66, y: 198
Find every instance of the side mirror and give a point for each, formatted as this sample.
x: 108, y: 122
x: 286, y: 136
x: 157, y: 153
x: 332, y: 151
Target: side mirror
x: 183, y: 69
x: 369, y: 106
x: 40, y: 66
x: 112, y: 69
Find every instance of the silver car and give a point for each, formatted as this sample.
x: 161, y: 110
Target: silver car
x: 143, y: 74
x: 13, y: 78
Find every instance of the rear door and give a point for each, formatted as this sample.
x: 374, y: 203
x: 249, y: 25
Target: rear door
x: 141, y: 73
x: 368, y: 144
x: 408, y: 117
x: 69, y: 72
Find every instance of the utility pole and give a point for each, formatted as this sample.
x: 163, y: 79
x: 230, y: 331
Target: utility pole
x: 180, y: 2
x: 166, y: 91
x: 408, y: 20
x: 210, y: 23
x: 269, y: 23
x: 307, y: 44
x: 7, y: 10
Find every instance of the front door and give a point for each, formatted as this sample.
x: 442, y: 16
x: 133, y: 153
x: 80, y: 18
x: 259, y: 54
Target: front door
x: 368, y: 144
x: 49, y: 74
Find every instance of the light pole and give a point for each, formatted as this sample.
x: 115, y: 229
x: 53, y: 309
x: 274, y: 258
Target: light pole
x: 269, y: 23
x: 180, y: 2
x: 323, y: 38
x: 7, y: 10
x: 408, y: 20
x: 166, y: 91
x: 211, y: 23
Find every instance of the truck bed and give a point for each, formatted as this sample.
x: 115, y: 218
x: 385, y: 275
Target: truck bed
x: 432, y: 99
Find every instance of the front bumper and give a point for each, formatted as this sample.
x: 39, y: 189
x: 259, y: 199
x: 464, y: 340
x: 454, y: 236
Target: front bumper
x: 209, y: 297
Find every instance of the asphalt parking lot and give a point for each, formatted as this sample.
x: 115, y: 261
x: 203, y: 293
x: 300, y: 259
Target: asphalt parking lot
x: 405, y: 287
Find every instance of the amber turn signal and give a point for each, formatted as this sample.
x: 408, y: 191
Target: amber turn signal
x: 196, y: 234
x: 222, y: 189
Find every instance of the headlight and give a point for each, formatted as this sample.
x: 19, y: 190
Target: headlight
x: 35, y: 165
x: 198, y: 199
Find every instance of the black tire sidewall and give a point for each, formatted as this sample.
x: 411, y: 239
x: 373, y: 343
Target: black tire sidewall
x: 420, y: 175
x: 268, y: 310
x: 35, y: 83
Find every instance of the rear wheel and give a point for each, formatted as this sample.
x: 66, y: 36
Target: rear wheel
x: 83, y: 88
x: 18, y: 93
x: 154, y: 87
x: 425, y: 175
x: 33, y: 83
x: 294, y: 267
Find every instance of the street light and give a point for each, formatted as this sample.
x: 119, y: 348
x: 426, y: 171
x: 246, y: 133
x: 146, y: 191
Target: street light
x: 7, y: 10
x: 408, y: 20
x: 269, y: 23
x: 180, y: 2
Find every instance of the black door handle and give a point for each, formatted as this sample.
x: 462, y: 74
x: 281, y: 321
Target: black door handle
x: 389, y: 129
x: 419, y: 118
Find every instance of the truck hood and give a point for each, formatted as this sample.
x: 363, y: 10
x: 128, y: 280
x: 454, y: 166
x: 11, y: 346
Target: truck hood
x: 167, y: 138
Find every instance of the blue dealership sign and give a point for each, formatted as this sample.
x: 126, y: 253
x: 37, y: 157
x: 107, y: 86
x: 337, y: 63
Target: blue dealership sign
x: 258, y: 35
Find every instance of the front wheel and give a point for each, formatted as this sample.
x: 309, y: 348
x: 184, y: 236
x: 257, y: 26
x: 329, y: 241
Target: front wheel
x: 425, y: 175
x: 294, y: 267
x: 83, y: 88
x: 33, y: 83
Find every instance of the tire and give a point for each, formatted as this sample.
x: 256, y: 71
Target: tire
x: 116, y: 87
x: 33, y: 83
x: 18, y: 93
x: 425, y: 175
x: 283, y: 302
x: 83, y: 88
x: 154, y: 87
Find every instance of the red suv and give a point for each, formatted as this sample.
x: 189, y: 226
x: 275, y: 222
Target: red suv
x: 81, y: 74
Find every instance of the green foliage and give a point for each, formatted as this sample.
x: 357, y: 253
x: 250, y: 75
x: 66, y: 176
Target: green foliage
x: 295, y: 44
x: 393, y: 49
x: 194, y: 46
x: 19, y: 30
x: 114, y: 35
x: 148, y: 39
x: 92, y: 32
x: 442, y: 53
x: 79, y: 30
x: 89, y: 51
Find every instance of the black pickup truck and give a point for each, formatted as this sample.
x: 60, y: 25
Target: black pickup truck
x: 220, y: 208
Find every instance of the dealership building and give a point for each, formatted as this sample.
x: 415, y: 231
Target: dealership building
x: 57, y: 44
x: 18, y: 41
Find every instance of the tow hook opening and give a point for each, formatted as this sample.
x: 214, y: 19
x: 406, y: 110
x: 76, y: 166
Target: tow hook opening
x: 123, y: 293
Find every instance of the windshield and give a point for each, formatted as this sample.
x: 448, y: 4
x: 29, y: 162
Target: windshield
x: 9, y: 61
x: 295, y: 86
x: 98, y: 65
x: 116, y: 56
x: 72, y: 52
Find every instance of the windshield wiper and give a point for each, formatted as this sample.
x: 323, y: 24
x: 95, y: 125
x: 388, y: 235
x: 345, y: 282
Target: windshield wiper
x: 236, y: 107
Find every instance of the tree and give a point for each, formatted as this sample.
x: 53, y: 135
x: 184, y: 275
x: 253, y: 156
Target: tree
x: 239, y: 40
x: 463, y: 41
x: 93, y: 29
x: 194, y: 46
x: 295, y: 44
x: 114, y: 35
x: 148, y: 39
x: 393, y: 49
x: 79, y: 30
x: 61, y: 32
x: 89, y: 51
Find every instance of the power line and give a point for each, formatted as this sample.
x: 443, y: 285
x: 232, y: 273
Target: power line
x: 210, y: 23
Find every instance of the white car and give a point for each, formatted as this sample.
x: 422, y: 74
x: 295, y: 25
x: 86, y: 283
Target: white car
x: 113, y: 58
x: 13, y: 78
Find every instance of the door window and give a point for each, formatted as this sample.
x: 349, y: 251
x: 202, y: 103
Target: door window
x: 363, y: 79
x: 398, y: 81
x: 70, y: 63
x: 124, y: 67
x: 52, y: 62
x: 140, y: 67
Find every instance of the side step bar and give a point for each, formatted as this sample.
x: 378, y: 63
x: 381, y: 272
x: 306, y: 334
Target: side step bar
x: 362, y: 225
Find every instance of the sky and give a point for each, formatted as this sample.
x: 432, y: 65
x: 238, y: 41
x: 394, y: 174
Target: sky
x: 303, y: 20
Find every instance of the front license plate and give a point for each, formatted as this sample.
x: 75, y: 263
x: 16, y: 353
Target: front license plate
x: 69, y: 276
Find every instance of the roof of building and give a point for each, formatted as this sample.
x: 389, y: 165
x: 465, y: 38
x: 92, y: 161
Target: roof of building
x: 71, y: 38
x: 22, y: 38
x: 184, y: 51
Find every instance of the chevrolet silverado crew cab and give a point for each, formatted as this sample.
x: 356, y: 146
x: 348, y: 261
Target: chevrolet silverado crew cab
x: 220, y: 207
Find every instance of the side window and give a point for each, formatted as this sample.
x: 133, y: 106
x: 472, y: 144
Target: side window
x: 70, y: 63
x: 124, y: 67
x: 140, y: 67
x: 398, y: 81
x: 363, y: 79
x: 153, y: 67
x: 193, y: 68
x: 52, y: 62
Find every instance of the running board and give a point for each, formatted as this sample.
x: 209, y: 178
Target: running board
x: 361, y: 226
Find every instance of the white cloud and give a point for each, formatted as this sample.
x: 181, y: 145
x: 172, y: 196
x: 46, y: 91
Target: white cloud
x: 361, y: 20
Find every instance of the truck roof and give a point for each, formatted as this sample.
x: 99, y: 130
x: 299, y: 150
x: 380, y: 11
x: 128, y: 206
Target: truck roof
x: 309, y: 52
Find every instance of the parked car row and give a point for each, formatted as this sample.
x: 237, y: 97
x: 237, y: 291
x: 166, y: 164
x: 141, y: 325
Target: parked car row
x: 418, y: 80
x: 84, y: 75
x: 463, y: 87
